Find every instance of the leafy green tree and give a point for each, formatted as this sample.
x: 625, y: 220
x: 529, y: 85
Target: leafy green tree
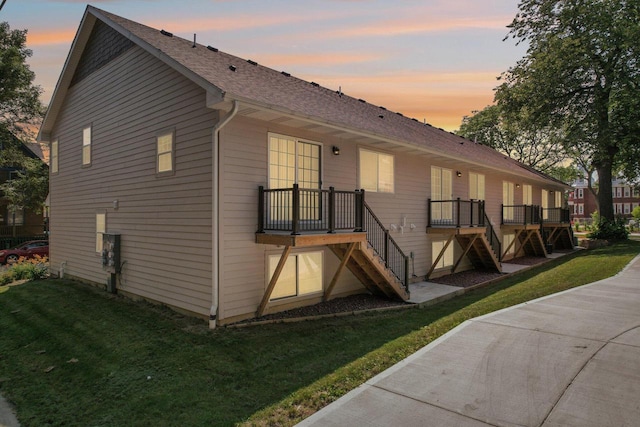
x: 20, y: 114
x: 537, y: 147
x: 581, y: 75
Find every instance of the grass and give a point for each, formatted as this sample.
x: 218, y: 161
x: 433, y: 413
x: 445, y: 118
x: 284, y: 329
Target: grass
x: 73, y: 355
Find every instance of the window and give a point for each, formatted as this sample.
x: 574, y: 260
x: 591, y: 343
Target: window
x: 54, y: 156
x: 507, y: 200
x: 627, y: 191
x: 101, y: 228
x: 447, y: 258
x: 376, y: 171
x: 618, y: 207
x: 301, y: 275
x: 15, y: 216
x: 165, y: 147
x: 618, y: 192
x: 527, y: 194
x: 581, y: 209
x: 558, y: 199
x: 86, y: 146
x: 580, y: 193
x: 545, y: 204
x: 636, y: 192
x: 476, y: 186
x: 627, y: 208
x: 292, y: 161
x: 441, y: 190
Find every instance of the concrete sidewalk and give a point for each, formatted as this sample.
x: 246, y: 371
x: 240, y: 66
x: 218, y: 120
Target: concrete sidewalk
x: 569, y: 359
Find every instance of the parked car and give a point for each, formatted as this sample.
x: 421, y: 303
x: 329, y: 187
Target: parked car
x: 27, y: 250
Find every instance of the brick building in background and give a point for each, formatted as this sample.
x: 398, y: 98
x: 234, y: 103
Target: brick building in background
x: 582, y: 202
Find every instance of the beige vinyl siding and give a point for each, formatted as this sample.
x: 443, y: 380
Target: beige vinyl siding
x: 165, y: 223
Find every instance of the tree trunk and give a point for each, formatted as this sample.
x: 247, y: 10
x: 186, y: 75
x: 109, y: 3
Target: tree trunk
x: 605, y: 192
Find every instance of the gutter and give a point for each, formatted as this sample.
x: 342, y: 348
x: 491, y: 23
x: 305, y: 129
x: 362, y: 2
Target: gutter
x: 215, y: 214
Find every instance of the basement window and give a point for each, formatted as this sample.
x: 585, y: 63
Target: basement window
x: 301, y: 275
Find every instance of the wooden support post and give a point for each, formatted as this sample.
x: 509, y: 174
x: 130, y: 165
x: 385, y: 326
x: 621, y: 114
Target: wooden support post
x: 444, y: 248
x: 464, y: 253
x: 340, y: 269
x: 274, y: 280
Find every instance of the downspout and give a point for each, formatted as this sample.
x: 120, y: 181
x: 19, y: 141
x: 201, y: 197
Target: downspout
x: 215, y: 214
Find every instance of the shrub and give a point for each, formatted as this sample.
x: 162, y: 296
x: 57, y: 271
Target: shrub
x: 609, y: 230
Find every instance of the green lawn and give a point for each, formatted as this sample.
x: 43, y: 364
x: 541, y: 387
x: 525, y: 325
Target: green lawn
x: 73, y: 355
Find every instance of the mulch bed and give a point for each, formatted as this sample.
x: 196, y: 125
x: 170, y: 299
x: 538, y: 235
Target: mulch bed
x: 526, y: 260
x: 347, y: 304
x: 467, y: 278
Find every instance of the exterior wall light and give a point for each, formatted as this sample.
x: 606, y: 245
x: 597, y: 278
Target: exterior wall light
x: 458, y: 174
x: 336, y: 150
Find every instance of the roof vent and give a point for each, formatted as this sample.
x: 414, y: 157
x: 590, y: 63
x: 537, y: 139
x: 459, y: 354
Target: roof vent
x: 362, y: 100
x: 284, y: 73
x: 382, y: 108
x: 232, y: 68
x: 212, y: 49
x: 414, y: 119
x: 166, y: 33
x: 400, y: 114
x: 254, y: 63
x: 315, y: 84
x: 381, y: 116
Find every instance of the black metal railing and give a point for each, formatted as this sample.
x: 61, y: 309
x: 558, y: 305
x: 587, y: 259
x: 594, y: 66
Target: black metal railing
x: 520, y: 214
x: 556, y: 215
x: 386, y: 247
x: 302, y: 210
x: 492, y: 237
x: 455, y: 213
x: 299, y: 210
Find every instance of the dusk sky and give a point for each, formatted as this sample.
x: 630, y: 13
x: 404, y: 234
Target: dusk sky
x: 430, y: 59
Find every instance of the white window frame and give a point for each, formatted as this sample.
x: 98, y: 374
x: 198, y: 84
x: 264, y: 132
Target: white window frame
x: 627, y: 191
x: 627, y: 208
x: 163, y: 153
x: 476, y: 186
x: 86, y: 146
x: 580, y: 209
x: 297, y: 259
x: 379, y: 185
x: 101, y: 229
x: 618, y: 192
x: 53, y: 156
x: 580, y: 193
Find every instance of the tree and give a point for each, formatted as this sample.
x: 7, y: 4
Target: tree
x: 581, y: 75
x: 537, y: 147
x: 20, y: 113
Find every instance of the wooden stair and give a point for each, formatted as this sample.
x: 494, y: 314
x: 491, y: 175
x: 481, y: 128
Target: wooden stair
x: 371, y: 270
x: 480, y: 252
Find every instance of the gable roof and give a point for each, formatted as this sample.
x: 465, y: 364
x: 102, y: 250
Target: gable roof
x: 228, y: 78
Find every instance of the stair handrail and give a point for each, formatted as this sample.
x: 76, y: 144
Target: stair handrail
x: 492, y: 237
x: 386, y: 247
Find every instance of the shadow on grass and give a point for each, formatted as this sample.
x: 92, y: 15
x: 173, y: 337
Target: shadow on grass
x: 76, y: 356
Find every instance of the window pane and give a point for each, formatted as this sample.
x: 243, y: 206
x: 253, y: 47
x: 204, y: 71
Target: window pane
x: 86, y: 154
x: 164, y: 162
x: 368, y: 170
x: 309, y: 273
x: 101, y: 227
x: 54, y: 156
x: 385, y: 173
x: 165, y: 143
x: 286, y: 285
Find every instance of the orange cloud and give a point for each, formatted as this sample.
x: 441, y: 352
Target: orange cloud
x: 317, y: 59
x: 36, y: 38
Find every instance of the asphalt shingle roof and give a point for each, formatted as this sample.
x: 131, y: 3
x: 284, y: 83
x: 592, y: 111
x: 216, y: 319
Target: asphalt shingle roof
x: 247, y: 81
